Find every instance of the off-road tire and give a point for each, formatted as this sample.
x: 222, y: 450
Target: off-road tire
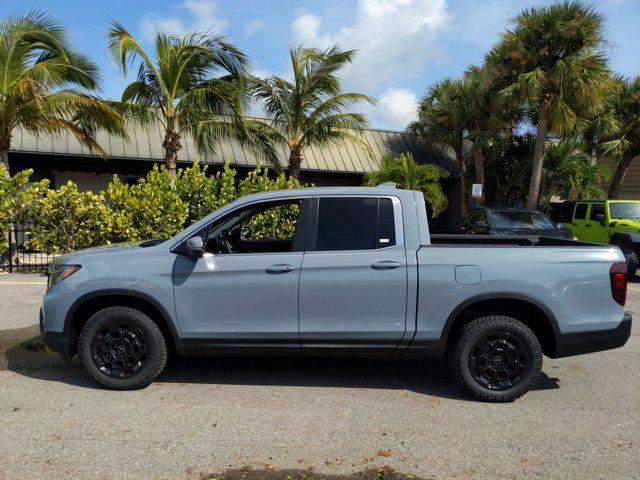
x: 156, y: 356
x: 478, y: 331
x: 631, y: 258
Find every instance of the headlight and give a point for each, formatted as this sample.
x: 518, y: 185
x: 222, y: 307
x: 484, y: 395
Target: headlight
x: 60, y: 272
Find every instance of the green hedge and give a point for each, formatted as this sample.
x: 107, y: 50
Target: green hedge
x: 67, y: 219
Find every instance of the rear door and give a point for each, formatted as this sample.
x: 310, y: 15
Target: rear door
x: 594, y: 229
x: 353, y: 284
x: 579, y: 221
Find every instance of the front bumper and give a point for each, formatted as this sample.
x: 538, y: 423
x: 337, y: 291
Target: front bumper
x: 59, y: 342
x: 569, y: 344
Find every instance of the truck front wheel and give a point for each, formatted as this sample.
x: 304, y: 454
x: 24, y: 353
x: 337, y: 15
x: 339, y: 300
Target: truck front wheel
x: 122, y: 348
x: 496, y: 358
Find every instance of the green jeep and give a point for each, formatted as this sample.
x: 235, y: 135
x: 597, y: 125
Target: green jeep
x: 616, y: 222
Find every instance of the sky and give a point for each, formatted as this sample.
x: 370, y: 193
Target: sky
x: 403, y: 45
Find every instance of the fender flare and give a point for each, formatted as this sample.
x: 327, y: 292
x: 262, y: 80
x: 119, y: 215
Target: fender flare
x: 134, y: 294
x: 498, y: 296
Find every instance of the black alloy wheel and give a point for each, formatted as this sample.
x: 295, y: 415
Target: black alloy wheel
x: 498, y: 361
x: 119, y: 350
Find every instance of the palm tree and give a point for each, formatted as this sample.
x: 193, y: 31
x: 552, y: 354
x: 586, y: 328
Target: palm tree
x: 442, y: 117
x: 571, y: 172
x: 43, y: 85
x: 407, y: 174
x: 487, y: 120
x: 177, y: 88
x: 624, y: 143
x: 310, y: 109
x: 550, y: 62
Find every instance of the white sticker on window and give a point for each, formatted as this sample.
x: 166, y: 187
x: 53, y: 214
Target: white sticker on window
x: 384, y: 240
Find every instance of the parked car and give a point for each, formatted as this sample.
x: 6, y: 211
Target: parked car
x: 616, y: 222
x: 337, y: 271
x: 510, y: 221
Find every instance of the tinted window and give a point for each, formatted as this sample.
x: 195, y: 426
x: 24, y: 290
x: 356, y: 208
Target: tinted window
x: 386, y: 236
x: 581, y: 211
x: 596, y: 209
x: 355, y: 224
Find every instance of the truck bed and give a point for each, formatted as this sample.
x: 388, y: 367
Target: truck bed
x: 513, y: 240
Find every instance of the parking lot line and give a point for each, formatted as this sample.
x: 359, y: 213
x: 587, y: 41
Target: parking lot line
x: 634, y: 289
x: 23, y: 283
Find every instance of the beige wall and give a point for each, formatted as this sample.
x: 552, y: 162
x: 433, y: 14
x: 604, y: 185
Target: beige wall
x: 94, y: 182
x: 630, y: 188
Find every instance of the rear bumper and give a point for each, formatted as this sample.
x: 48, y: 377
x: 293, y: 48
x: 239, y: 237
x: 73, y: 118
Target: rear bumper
x: 59, y: 342
x: 569, y: 344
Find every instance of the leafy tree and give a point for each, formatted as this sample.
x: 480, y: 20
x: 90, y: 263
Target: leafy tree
x: 571, y: 172
x: 407, y: 174
x: 43, y: 85
x: 178, y: 90
x: 549, y: 61
x: 508, y: 170
x: 624, y: 143
x: 310, y: 110
x: 442, y: 117
x: 68, y: 219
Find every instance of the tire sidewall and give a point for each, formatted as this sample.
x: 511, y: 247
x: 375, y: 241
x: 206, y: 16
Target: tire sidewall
x: 530, y: 375
x: 152, y: 337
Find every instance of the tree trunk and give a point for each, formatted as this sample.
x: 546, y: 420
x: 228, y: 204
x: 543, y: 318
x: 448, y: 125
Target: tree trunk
x: 295, y: 159
x: 478, y: 159
x: 4, y: 161
x: 541, y: 138
x: 463, y: 181
x: 171, y: 145
x: 618, y: 176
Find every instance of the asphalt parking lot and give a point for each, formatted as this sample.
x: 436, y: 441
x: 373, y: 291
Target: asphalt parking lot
x: 312, y: 415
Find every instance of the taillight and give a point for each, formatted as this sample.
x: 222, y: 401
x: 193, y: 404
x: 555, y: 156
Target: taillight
x: 618, y: 278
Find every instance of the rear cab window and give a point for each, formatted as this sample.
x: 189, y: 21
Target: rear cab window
x: 356, y: 223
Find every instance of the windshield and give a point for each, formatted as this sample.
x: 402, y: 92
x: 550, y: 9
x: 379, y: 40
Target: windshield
x: 629, y: 210
x: 521, y: 220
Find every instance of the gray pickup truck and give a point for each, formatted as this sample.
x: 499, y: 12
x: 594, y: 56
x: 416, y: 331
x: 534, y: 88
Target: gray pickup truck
x: 337, y: 271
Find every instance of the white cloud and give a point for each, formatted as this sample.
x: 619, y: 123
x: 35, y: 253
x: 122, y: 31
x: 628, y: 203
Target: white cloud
x: 203, y: 16
x: 393, y: 37
x: 397, y: 107
x: 254, y: 26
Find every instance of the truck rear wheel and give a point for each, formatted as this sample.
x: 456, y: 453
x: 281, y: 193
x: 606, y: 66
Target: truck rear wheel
x: 122, y: 348
x: 496, y: 358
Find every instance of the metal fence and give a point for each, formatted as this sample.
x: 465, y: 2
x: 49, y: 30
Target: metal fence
x: 23, y: 259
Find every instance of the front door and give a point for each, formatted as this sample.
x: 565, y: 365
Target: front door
x: 353, y: 286
x: 579, y: 220
x: 242, y: 295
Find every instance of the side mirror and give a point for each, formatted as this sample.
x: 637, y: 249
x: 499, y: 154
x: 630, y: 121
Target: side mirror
x: 568, y: 232
x: 599, y: 217
x: 195, y: 247
x: 479, y: 224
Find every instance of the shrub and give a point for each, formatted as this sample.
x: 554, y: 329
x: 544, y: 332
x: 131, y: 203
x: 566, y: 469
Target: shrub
x: 17, y: 196
x: 149, y: 209
x: 67, y: 219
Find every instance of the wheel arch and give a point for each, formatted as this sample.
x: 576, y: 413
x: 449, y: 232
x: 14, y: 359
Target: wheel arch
x: 528, y: 309
x: 88, y: 304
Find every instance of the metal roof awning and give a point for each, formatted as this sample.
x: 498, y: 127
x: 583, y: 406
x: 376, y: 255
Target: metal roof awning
x: 146, y: 144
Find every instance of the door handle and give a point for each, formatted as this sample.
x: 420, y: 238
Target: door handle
x: 280, y: 268
x: 587, y: 225
x: 385, y: 265
x: 574, y: 224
